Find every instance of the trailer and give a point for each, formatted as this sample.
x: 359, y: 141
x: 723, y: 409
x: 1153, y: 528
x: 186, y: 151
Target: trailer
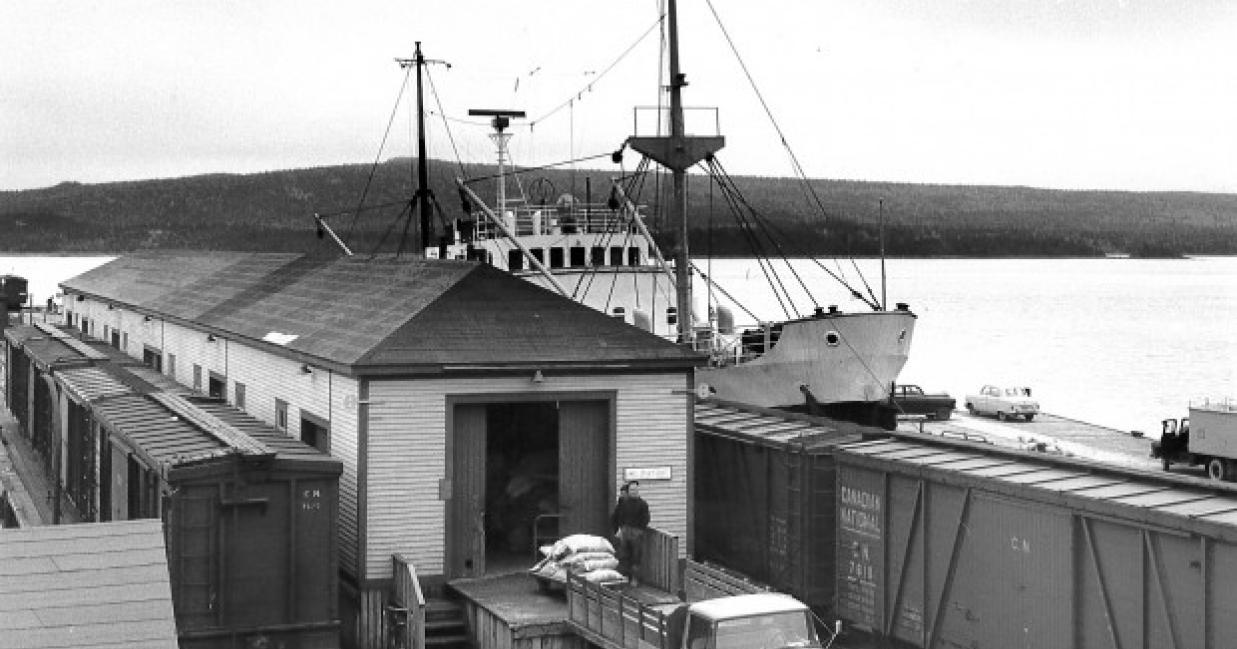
x: 945, y: 543
x: 1208, y: 437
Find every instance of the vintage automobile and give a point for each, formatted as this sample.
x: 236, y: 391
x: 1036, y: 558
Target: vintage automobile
x: 1003, y: 402
x: 912, y: 400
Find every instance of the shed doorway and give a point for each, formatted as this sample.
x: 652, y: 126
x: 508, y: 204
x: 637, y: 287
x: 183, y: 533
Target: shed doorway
x: 523, y: 474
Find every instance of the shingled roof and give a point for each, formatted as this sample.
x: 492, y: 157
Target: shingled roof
x: 376, y: 315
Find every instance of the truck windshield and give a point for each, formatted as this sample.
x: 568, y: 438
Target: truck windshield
x: 766, y: 631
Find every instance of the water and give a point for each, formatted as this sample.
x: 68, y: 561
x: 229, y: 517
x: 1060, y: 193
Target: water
x: 1117, y: 342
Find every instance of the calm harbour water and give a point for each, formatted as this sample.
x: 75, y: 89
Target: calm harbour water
x: 1117, y: 342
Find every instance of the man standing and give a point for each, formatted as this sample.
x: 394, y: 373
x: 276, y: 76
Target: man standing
x: 630, y: 519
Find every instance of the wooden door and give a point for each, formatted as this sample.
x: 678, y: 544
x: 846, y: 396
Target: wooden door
x: 584, y: 467
x: 466, y: 534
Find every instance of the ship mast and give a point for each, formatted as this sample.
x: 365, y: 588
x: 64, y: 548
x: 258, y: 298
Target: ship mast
x: 678, y: 152
x: 424, y: 196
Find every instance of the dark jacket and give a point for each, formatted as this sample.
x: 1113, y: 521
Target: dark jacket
x: 629, y: 511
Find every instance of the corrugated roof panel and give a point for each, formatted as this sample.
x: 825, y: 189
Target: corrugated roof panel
x: 1202, y: 507
x: 277, y: 440
x: 1121, y: 490
x: 1161, y: 498
x: 1010, y: 468
x: 92, y: 383
x: 1042, y: 474
x: 940, y: 457
x: 153, y: 428
x: 1084, y: 482
x: 973, y: 462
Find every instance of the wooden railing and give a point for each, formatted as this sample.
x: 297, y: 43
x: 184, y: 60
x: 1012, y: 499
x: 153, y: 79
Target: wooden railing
x: 706, y: 581
x: 660, y: 565
x: 406, y: 618
x: 608, y: 618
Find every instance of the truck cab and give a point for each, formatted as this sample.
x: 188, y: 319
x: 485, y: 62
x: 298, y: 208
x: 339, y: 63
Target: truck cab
x: 757, y: 621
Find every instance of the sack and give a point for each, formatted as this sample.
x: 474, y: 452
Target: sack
x: 603, y: 562
x: 580, y: 543
x: 604, y: 575
x: 579, y: 559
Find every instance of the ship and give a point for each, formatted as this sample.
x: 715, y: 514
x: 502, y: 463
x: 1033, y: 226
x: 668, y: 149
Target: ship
x: 601, y: 253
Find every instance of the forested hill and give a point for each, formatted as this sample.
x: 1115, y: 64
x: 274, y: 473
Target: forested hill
x: 274, y: 211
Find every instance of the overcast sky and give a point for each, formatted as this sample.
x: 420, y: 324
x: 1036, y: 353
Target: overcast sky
x: 1078, y: 94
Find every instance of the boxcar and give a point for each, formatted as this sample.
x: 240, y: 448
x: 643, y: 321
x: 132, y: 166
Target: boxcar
x: 764, y: 496
x: 946, y: 544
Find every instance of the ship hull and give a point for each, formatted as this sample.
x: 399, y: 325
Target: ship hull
x: 869, y: 354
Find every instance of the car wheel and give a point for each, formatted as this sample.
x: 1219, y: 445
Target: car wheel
x: 1030, y: 417
x: 1216, y: 469
x: 1000, y: 415
x: 970, y: 407
x: 943, y: 414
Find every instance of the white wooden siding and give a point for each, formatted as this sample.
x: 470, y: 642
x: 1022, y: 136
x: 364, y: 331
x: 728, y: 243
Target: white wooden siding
x: 407, y: 455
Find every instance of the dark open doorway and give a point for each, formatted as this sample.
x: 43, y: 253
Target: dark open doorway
x: 522, y: 471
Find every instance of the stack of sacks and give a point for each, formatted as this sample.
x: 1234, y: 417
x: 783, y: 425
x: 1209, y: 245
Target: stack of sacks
x: 591, y: 557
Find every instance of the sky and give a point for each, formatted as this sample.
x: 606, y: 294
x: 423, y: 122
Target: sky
x: 1075, y: 94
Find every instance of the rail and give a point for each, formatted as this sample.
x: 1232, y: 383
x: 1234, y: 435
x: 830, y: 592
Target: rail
x: 527, y: 220
x: 660, y: 565
x: 406, y: 617
x: 610, y: 619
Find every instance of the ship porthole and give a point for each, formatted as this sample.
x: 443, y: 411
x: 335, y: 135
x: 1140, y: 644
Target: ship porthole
x: 832, y: 338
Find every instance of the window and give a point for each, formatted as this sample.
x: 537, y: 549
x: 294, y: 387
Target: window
x: 152, y: 357
x: 197, y: 377
x: 616, y: 256
x: 633, y: 256
x: 172, y: 365
x: 556, y: 257
x: 239, y: 392
x: 115, y: 341
x: 124, y: 341
x: 597, y: 256
x: 315, y: 432
x: 515, y: 260
x: 538, y: 254
x: 577, y: 256
x: 281, y: 415
x: 105, y: 332
x: 217, y: 386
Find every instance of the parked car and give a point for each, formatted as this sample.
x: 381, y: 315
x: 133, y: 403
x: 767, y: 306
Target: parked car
x: 1003, y: 402
x: 912, y: 400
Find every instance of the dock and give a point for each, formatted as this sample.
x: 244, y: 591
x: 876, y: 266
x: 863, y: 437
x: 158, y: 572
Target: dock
x: 1047, y: 433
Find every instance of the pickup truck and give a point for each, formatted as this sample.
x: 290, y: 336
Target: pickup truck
x: 1003, y: 402
x: 1208, y: 437
x: 611, y: 619
x: 912, y: 400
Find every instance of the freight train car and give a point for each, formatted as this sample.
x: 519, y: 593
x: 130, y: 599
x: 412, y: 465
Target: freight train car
x: 944, y: 544
x: 250, y: 514
x: 764, y: 496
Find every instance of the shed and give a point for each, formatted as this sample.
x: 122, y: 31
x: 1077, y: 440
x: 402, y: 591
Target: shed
x: 83, y: 586
x: 514, y: 404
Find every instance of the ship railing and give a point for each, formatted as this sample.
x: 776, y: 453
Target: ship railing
x: 531, y: 220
